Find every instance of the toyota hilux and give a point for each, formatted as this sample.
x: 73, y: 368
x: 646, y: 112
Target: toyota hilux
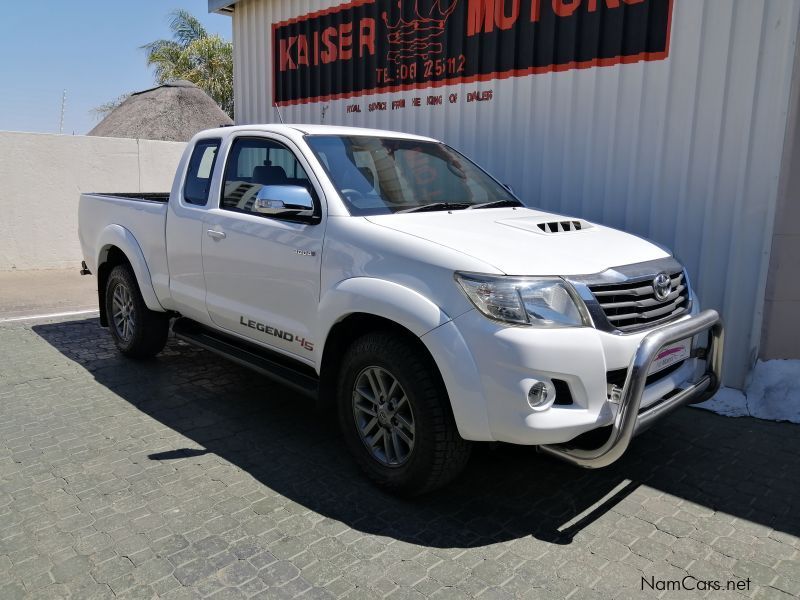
x: 388, y: 276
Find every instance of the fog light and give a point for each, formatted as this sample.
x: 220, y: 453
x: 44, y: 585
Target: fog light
x: 540, y: 397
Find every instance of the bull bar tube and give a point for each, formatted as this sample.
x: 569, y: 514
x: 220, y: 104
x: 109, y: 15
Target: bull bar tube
x: 629, y: 421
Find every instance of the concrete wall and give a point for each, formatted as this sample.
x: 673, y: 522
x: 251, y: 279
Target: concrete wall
x: 780, y: 336
x: 42, y: 177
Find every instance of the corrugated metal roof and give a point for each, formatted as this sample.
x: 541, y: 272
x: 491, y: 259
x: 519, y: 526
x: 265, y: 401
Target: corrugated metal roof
x: 685, y: 151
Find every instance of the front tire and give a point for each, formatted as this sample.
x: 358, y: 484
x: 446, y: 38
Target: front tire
x: 395, y: 416
x: 137, y: 331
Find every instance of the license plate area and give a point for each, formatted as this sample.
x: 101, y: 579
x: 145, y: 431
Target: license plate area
x: 671, y: 354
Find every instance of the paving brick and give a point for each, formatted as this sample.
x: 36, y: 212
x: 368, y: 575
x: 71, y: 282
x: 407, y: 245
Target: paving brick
x: 774, y: 548
x: 760, y: 574
x: 112, y: 569
x: 166, y: 585
x: 238, y: 573
x: 770, y: 593
x: 13, y: 591
x: 790, y: 586
x: 193, y: 571
x: 448, y: 573
x: 70, y: 569
x: 406, y: 573
x: 609, y: 549
x: 278, y: 573
x: 650, y: 549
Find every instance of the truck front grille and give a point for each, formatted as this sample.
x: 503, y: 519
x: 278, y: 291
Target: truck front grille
x: 632, y: 305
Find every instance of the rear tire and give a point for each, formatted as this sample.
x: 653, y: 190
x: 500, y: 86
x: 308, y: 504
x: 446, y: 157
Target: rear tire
x: 395, y: 416
x: 137, y: 331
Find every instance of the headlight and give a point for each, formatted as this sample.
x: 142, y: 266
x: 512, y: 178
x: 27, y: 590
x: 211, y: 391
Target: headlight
x: 538, y: 301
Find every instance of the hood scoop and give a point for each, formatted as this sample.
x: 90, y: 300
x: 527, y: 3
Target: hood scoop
x: 560, y: 226
x: 552, y: 227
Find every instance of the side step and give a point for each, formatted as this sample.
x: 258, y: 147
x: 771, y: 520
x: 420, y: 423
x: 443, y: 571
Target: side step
x: 277, y: 367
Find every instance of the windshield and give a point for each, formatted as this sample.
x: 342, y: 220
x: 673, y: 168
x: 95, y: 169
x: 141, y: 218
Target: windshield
x: 387, y: 175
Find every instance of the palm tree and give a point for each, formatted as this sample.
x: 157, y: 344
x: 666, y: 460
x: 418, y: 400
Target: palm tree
x: 205, y: 60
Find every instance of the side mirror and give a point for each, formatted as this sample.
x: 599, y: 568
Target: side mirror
x: 283, y: 200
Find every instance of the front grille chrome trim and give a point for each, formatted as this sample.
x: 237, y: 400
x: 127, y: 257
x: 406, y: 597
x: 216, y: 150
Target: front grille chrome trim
x: 621, y: 300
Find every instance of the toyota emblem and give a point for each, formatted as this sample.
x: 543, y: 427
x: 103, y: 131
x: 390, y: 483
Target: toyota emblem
x: 662, y: 286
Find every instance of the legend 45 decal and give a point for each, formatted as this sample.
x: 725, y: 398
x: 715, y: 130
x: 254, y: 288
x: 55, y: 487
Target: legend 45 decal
x: 278, y: 333
x: 370, y: 46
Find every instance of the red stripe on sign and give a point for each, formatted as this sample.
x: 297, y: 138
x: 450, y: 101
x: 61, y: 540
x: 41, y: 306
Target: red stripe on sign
x: 669, y: 352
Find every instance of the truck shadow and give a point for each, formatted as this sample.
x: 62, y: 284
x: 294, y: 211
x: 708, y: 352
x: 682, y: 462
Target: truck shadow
x: 742, y: 467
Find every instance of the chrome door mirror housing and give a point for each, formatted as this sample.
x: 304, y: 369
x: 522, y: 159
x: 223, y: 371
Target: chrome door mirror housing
x: 283, y: 200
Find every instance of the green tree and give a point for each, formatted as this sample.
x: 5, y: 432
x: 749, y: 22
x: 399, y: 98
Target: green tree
x: 192, y: 54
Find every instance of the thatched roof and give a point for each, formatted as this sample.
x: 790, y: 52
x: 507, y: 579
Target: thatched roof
x: 173, y: 111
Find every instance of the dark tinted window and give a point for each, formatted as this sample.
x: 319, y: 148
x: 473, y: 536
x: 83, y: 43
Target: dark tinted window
x: 254, y: 163
x: 201, y: 168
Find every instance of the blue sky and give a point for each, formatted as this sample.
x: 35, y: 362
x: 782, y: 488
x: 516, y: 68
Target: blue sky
x: 88, y: 47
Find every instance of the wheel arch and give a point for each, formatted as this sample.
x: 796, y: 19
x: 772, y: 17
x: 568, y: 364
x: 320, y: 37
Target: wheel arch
x: 346, y: 331
x: 118, y: 246
x: 357, y: 305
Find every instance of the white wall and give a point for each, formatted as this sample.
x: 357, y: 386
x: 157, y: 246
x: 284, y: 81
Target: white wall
x: 685, y: 151
x: 42, y: 177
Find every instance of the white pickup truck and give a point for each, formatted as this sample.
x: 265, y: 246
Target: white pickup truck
x: 388, y: 275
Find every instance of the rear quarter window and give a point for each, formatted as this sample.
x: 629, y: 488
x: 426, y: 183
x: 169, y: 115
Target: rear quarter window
x: 198, y: 175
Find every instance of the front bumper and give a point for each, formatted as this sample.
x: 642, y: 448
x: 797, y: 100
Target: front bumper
x: 488, y: 368
x: 629, y: 419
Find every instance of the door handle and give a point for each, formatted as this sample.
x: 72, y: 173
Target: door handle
x: 217, y: 235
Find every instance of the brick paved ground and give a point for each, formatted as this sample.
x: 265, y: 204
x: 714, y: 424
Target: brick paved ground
x: 187, y: 476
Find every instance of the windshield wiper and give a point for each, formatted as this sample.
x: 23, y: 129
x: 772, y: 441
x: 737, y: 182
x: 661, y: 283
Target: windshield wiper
x: 436, y: 206
x: 496, y: 204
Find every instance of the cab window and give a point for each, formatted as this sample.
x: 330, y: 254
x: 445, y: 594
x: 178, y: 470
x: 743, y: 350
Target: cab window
x: 258, y: 163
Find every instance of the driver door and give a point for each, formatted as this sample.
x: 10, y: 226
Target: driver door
x: 261, y: 265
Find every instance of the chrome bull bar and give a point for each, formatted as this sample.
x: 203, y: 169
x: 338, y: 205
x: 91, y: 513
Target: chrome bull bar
x: 629, y: 421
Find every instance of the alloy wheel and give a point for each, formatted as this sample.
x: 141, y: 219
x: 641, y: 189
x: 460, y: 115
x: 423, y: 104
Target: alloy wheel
x: 124, y: 312
x: 383, y: 415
